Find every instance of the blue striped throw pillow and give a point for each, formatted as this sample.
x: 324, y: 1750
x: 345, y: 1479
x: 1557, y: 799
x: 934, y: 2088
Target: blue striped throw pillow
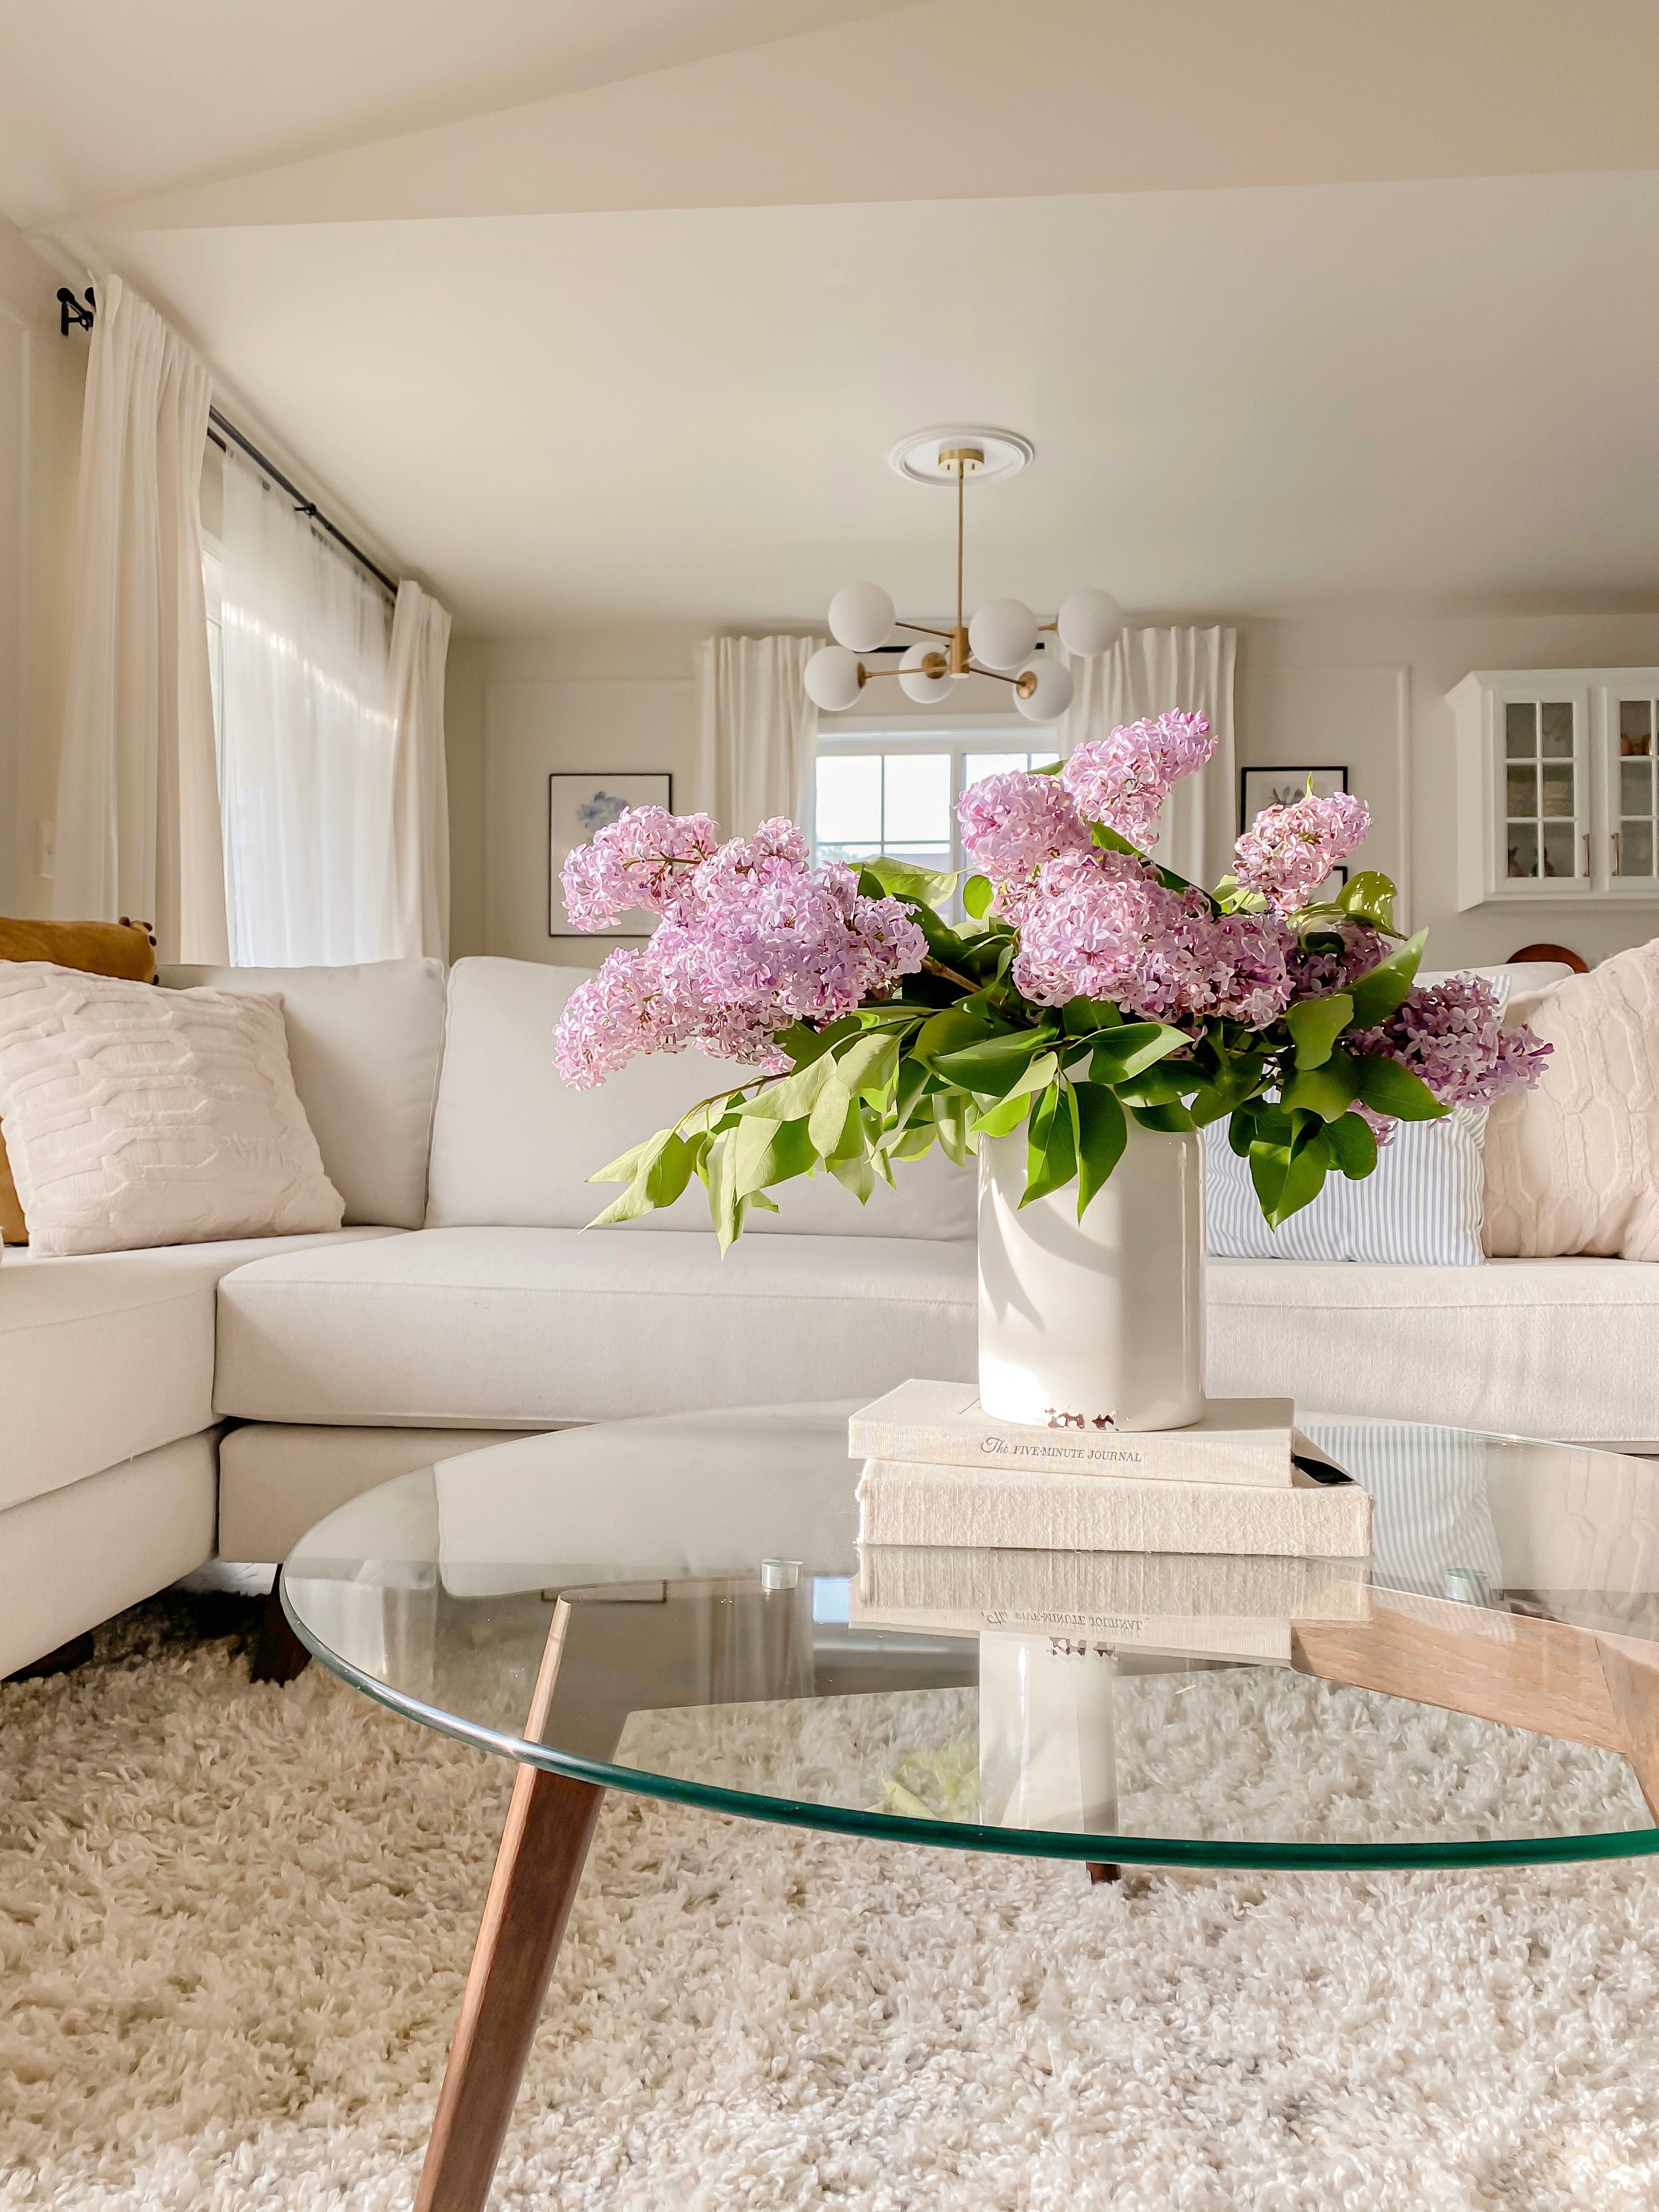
x: 1421, y: 1206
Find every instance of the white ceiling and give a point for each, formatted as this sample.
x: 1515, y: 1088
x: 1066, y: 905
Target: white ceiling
x: 1299, y: 302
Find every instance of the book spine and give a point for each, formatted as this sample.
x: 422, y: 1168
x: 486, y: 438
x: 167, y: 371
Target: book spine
x: 1164, y: 1456
x: 901, y: 1503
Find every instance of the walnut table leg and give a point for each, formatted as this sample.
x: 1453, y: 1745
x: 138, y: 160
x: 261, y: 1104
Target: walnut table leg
x: 549, y: 1825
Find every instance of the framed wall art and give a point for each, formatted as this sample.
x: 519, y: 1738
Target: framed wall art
x: 578, y: 805
x: 1283, y: 786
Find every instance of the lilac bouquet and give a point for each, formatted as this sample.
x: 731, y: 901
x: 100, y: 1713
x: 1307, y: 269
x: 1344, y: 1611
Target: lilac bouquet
x: 1086, y: 985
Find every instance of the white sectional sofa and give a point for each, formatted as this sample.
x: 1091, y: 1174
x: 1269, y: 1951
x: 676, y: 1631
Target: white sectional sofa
x: 155, y: 1405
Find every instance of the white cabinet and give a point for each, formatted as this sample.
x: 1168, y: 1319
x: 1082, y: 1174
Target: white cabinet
x: 1556, y: 801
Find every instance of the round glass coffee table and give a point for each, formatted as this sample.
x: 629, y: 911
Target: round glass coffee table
x: 679, y: 1606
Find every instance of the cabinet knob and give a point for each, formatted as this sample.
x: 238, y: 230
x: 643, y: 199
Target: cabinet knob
x: 1618, y: 864
x: 1587, y: 855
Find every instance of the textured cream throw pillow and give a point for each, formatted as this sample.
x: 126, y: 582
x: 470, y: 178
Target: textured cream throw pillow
x: 134, y: 1116
x: 1573, y: 1166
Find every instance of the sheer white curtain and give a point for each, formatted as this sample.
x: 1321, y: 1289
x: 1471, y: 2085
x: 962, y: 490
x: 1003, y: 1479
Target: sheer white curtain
x: 137, y: 802
x: 757, y: 731
x: 308, y: 738
x: 1153, y: 672
x: 420, y: 794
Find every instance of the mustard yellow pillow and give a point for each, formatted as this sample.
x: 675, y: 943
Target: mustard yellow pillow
x: 97, y: 948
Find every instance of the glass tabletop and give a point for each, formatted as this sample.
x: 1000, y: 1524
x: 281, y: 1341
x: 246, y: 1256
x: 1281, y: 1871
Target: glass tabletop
x: 680, y: 1607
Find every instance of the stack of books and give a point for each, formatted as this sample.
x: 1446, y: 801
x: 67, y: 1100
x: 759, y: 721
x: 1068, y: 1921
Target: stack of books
x: 1243, y: 1481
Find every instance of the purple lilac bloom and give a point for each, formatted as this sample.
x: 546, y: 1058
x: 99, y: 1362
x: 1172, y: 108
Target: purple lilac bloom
x: 1123, y: 780
x: 751, y: 940
x: 1011, y: 826
x: 1287, y: 852
x: 1451, y: 1034
x: 639, y: 860
x: 1102, y: 925
x: 1316, y: 975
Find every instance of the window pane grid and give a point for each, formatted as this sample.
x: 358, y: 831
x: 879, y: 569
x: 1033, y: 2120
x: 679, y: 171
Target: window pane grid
x: 1638, y: 787
x: 871, y: 802
x: 1540, y: 789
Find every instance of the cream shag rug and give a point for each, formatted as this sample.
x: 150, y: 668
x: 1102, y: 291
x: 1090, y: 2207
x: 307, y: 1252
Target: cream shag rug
x: 235, y: 1922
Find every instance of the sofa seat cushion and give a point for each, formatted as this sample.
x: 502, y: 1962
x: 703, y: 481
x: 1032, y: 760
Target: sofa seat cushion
x: 517, y: 1327
x: 108, y: 1354
x: 1530, y: 1348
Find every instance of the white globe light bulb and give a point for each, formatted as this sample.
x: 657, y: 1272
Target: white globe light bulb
x: 1052, y: 692
x: 1090, y: 623
x: 1002, y: 633
x: 862, y: 617
x: 927, y: 691
x: 832, y: 678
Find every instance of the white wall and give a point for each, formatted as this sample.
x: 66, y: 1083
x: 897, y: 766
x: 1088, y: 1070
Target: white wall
x: 42, y: 384
x: 515, y: 710
x: 1363, y: 688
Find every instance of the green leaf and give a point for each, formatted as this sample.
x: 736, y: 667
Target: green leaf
x: 1133, y: 1047
x: 626, y: 1165
x: 1170, y: 1120
x: 1369, y: 896
x: 1101, y: 1134
x: 1377, y: 993
x: 1353, y: 1146
x: 1083, y: 1016
x: 629, y: 1207
x: 670, y: 1172
x: 1315, y: 1024
x: 1288, y: 1177
x: 903, y: 879
x: 994, y: 1067
x: 976, y: 896
x: 1328, y: 1091
x: 1051, y: 1146
x: 1160, y: 1086
x: 1000, y: 1120
x: 795, y: 1097
x: 771, y: 1152
x: 827, y: 1123
x: 858, y: 1176
x: 912, y: 1143
x: 868, y: 1067
x: 954, y: 1030
x: 1389, y: 1088
x: 1110, y: 840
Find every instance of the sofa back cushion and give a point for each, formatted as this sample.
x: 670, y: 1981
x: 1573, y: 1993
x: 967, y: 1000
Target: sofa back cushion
x: 364, y: 1042
x: 511, y: 1143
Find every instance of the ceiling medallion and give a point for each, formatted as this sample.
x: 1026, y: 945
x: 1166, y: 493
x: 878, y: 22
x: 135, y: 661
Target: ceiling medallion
x: 1001, y: 640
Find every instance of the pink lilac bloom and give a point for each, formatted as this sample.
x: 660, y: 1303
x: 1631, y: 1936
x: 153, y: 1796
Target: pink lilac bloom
x: 1013, y: 826
x: 1287, y: 852
x: 640, y: 859
x: 1099, y: 925
x: 621, y: 1011
x: 1123, y: 780
x: 1451, y: 1034
x: 750, y: 940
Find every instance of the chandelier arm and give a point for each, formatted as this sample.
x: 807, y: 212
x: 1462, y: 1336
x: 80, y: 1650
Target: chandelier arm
x: 920, y: 628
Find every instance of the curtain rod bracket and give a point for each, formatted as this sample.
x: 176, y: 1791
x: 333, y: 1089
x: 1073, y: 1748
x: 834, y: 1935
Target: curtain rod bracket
x: 70, y: 310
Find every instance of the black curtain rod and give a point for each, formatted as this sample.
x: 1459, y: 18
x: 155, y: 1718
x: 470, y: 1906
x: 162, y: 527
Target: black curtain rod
x: 72, y: 312
x: 301, y: 504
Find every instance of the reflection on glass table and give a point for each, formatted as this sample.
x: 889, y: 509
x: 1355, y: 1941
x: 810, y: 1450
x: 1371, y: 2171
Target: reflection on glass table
x: 1481, y: 1689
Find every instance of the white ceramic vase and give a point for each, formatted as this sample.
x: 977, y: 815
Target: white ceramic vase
x: 1097, y: 1323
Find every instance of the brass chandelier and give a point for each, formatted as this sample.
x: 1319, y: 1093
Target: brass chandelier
x: 1001, y: 640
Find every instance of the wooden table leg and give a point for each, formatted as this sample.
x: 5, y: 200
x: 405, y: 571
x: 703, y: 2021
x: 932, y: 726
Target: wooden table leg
x: 543, y: 1845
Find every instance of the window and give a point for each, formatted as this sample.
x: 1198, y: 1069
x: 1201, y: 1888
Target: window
x: 886, y: 792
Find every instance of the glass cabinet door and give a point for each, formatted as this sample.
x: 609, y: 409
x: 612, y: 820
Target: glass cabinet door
x: 1635, y: 804
x: 1542, y: 800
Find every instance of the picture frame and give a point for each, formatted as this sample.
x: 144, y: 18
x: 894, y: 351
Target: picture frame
x: 578, y: 805
x: 1281, y: 787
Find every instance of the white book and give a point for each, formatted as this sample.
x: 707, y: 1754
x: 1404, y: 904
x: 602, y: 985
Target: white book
x: 1222, y: 1607
x: 1034, y: 1509
x: 1239, y: 1440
